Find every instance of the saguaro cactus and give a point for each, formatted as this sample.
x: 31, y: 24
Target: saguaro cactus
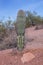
x: 20, y: 29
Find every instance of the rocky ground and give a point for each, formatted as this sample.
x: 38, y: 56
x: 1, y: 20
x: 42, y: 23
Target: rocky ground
x: 32, y: 53
x: 34, y: 38
x: 30, y: 57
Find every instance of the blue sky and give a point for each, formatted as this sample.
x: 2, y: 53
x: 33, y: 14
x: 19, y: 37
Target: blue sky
x: 11, y: 7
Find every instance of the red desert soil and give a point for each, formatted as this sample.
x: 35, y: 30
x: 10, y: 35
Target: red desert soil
x: 32, y: 53
x: 8, y: 57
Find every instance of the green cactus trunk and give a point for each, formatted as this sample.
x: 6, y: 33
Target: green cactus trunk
x: 20, y: 29
x: 20, y: 42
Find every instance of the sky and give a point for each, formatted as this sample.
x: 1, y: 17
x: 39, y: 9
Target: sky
x: 9, y: 8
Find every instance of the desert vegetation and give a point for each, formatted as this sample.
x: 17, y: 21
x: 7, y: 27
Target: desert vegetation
x: 8, y: 29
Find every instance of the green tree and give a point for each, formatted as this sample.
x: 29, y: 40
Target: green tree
x: 8, y: 22
x: 33, y: 19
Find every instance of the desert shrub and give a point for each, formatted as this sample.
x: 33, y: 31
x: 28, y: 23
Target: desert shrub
x: 27, y: 24
x: 2, y: 29
x: 33, y: 19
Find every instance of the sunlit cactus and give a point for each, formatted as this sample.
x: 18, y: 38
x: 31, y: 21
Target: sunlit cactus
x: 20, y: 29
